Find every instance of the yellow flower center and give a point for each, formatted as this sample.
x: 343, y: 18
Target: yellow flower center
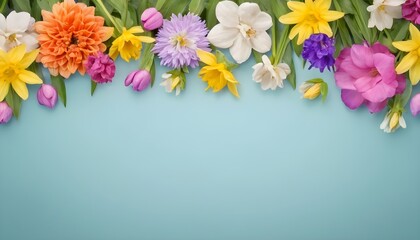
x: 10, y: 73
x: 251, y: 33
x: 181, y: 41
x: 12, y: 38
x: 381, y: 8
x: 313, y: 18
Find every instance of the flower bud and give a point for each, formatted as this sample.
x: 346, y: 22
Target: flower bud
x: 47, y: 96
x: 138, y: 79
x: 415, y: 105
x: 310, y: 90
x: 151, y: 19
x: 5, y: 113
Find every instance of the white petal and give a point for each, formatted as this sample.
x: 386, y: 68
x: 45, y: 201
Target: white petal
x: 30, y: 40
x: 241, y: 49
x: 3, y: 24
x: 261, y: 42
x: 402, y: 122
x: 3, y: 45
x: 166, y: 75
x: 266, y: 60
x: 227, y: 13
x: 222, y: 37
x: 385, y: 123
x: 18, y: 22
x: 394, y: 12
x: 262, y: 22
x: 394, y: 2
x: 178, y: 90
x: 248, y: 12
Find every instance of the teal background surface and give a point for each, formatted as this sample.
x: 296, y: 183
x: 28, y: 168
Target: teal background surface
x: 127, y: 165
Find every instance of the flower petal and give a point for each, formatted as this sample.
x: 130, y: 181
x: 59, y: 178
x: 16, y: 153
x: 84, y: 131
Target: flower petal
x: 4, y: 89
x: 352, y: 99
x: 322, y: 4
x: 407, y: 62
x: 296, y: 6
x: 414, y: 104
x: 261, y: 42
x: 376, y: 107
x: 330, y: 16
x: 415, y: 73
x: 233, y: 89
x: 18, y: 22
x: 406, y: 46
x: 227, y: 13
x: 414, y: 32
x: 20, y: 88
x: 29, y: 77
x: 221, y: 36
x: 263, y: 21
x: 292, y: 18
x: 248, y: 12
x: 16, y: 54
x: 206, y: 57
x: 28, y: 59
x: 241, y: 49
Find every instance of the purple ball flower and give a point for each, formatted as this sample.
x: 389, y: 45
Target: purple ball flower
x: 411, y: 11
x: 47, y: 96
x: 178, y: 40
x: 101, y: 68
x: 319, y: 50
x: 138, y: 79
x: 5, y: 113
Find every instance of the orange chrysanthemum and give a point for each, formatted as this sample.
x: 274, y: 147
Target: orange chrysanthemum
x: 68, y: 35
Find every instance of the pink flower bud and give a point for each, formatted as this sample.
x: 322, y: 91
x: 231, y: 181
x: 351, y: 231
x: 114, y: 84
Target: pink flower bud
x: 138, y: 79
x: 151, y: 19
x: 415, y: 104
x: 5, y: 113
x: 47, y: 96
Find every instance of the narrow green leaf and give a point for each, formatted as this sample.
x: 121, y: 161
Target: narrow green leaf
x: 288, y: 59
x: 211, y: 14
x: 405, y: 98
x: 93, y: 86
x: 324, y: 91
x: 59, y: 85
x: 14, y: 102
x: 153, y: 74
x: 21, y: 5
x: 197, y: 6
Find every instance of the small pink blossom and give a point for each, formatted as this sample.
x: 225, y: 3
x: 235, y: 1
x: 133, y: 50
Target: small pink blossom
x: 101, y: 68
x: 6, y: 113
x: 415, y: 105
x: 411, y: 11
x: 366, y: 75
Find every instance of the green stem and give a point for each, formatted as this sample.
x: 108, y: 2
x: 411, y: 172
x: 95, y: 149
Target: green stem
x: 273, y: 36
x: 284, y: 41
x: 108, y: 15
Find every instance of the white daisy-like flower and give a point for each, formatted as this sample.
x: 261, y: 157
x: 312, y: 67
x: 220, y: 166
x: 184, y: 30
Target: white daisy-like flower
x: 270, y: 76
x: 241, y: 29
x: 171, y: 82
x: 393, y: 121
x: 383, y: 12
x: 17, y: 29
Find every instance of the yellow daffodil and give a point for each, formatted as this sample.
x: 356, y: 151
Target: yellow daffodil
x: 411, y: 61
x: 310, y: 17
x: 216, y: 74
x: 129, y: 45
x: 13, y: 65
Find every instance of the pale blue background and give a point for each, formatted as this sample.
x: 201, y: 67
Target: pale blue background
x: 127, y: 165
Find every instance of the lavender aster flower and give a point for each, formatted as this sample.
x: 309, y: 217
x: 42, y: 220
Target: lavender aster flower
x: 319, y: 50
x: 178, y: 40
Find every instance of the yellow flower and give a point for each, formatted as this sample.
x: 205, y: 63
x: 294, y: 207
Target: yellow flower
x: 217, y: 75
x: 310, y: 17
x: 411, y: 61
x: 310, y: 90
x: 13, y: 65
x: 129, y: 45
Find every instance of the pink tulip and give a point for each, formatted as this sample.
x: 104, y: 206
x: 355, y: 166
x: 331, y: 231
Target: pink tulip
x: 138, y: 79
x: 151, y: 19
x: 366, y: 75
x: 415, y: 105
x: 47, y: 96
x: 5, y: 113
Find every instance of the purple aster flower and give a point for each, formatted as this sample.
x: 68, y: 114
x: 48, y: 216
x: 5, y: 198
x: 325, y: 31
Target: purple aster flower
x: 101, y: 68
x: 178, y: 40
x: 319, y: 50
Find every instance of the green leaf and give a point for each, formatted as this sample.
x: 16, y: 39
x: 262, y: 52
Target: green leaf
x: 14, y: 102
x: 405, y: 97
x: 288, y: 59
x: 324, y: 91
x: 3, y: 5
x: 46, y: 4
x: 58, y: 83
x: 174, y: 7
x: 197, y: 6
x: 211, y: 14
x: 93, y: 86
x: 21, y: 5
x: 153, y: 74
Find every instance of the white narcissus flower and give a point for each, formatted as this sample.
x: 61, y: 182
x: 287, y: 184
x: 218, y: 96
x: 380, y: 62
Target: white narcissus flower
x: 383, y: 12
x: 241, y: 29
x: 268, y: 75
x: 392, y: 121
x: 17, y: 29
x: 170, y: 83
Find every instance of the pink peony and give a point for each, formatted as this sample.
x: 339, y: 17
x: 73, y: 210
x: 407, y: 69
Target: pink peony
x: 101, y: 68
x: 411, y: 11
x: 366, y: 75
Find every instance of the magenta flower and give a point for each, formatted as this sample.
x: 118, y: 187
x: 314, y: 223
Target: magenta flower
x: 138, y: 79
x: 101, y: 68
x: 5, y: 113
x: 415, y: 105
x: 411, y: 11
x: 366, y: 75
x: 47, y: 96
x: 151, y: 19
